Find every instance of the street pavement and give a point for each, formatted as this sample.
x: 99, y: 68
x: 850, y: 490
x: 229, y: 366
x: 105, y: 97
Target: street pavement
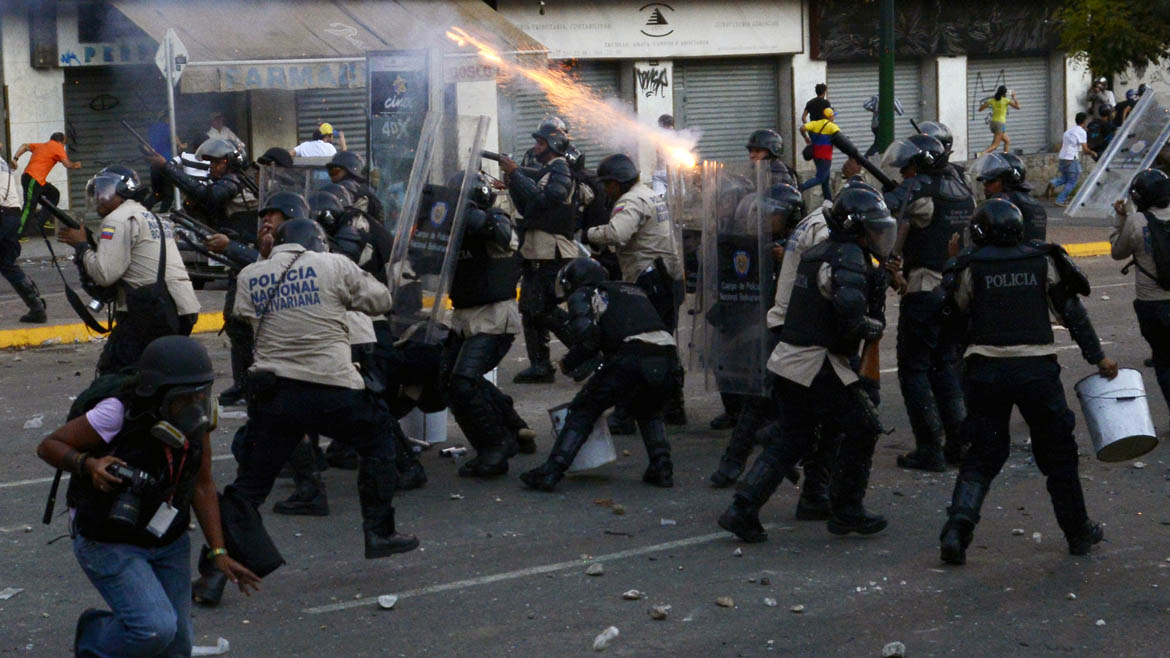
x: 501, y: 570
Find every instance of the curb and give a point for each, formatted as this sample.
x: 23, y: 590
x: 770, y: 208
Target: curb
x: 78, y: 333
x: 59, y: 334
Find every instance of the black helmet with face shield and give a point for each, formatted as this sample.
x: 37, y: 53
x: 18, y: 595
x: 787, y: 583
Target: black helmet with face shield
x: 861, y: 214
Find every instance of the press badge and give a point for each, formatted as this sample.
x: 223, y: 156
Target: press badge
x: 162, y: 520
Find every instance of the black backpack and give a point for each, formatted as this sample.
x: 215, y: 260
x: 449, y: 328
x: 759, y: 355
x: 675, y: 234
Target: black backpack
x: 1160, y: 245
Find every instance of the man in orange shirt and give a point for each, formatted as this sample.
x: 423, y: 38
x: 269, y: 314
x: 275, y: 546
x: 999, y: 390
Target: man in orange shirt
x: 34, y: 180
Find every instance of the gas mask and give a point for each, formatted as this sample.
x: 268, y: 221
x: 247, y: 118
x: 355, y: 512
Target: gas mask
x: 184, y: 414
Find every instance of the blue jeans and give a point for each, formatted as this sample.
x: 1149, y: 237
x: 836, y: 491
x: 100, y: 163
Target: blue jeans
x: 1070, y: 173
x: 149, y: 591
x: 822, y: 178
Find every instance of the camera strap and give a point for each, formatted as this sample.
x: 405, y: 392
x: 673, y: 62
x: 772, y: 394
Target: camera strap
x: 171, y: 469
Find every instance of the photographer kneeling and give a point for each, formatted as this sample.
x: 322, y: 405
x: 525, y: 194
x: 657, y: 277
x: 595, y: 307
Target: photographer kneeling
x: 141, y: 459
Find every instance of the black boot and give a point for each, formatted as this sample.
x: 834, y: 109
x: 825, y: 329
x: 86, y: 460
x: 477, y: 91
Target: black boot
x: 1068, y: 503
x: 742, y: 518
x: 847, y: 489
x: 739, y: 448
x: 411, y: 474
x: 963, y: 514
x: 955, y: 448
x: 926, y: 457
x: 723, y: 421
x: 660, y: 472
x: 308, y: 499
x: 207, y: 589
x: 488, y: 463
x: 231, y: 396
x: 546, y: 476
x: 341, y: 455
x: 814, y: 503
x: 27, y: 289
x: 540, y: 370
x: 376, y: 491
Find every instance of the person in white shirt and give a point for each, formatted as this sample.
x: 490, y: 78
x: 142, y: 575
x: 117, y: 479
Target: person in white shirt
x: 219, y: 130
x: 10, y: 211
x: 1072, y: 145
x: 321, y: 145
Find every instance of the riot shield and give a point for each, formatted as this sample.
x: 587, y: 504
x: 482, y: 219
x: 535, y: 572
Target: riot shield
x: 1134, y: 148
x: 684, y: 199
x: 737, y: 276
x: 430, y: 225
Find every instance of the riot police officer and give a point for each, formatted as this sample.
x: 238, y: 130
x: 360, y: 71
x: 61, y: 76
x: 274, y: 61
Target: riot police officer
x: 768, y: 145
x: 1004, y: 174
x: 933, y: 205
x: 484, y: 322
x: 999, y: 296
x: 548, y: 202
x: 642, y: 234
x: 837, y: 302
x: 303, y: 379
x: 226, y: 203
x: 617, y: 321
x: 346, y: 169
x: 136, y: 251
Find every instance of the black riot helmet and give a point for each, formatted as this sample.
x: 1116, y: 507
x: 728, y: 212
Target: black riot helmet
x: 575, y: 158
x: 939, y: 131
x: 290, y: 204
x: 1020, y: 175
x: 996, y: 166
x: 923, y: 151
x: 114, y: 180
x: 304, y: 232
x: 481, y: 195
x: 338, y: 191
x: 618, y: 168
x: 578, y: 273
x: 172, y: 361
x: 555, y: 122
x: 221, y: 149
x: 349, y: 161
x: 557, y: 140
x: 997, y: 222
x: 768, y: 140
x: 325, y: 209
x: 1150, y: 189
x: 861, y: 213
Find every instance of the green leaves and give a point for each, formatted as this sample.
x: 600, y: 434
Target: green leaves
x: 1112, y: 35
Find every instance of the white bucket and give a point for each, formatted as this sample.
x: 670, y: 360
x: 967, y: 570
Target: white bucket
x: 1118, y: 415
x: 598, y: 449
x: 431, y: 428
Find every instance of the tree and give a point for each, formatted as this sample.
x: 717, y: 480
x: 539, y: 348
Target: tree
x: 1113, y: 35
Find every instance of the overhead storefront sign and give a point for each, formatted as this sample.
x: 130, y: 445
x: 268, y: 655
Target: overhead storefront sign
x: 292, y: 76
x: 121, y: 53
x: 686, y: 28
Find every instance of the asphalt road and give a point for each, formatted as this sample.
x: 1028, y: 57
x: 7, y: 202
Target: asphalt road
x: 501, y: 570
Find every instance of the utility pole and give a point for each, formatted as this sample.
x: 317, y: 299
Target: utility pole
x: 886, y: 74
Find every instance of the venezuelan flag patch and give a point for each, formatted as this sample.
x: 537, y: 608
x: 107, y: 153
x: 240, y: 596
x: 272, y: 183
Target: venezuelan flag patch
x: 107, y: 233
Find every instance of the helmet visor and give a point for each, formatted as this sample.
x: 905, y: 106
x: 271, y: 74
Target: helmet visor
x: 898, y: 154
x: 99, y: 190
x: 881, y: 232
x: 990, y: 167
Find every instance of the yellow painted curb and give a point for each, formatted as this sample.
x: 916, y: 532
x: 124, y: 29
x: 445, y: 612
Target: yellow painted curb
x: 79, y: 333
x: 1087, y: 249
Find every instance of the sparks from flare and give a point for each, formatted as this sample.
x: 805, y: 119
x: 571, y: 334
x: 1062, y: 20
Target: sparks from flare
x: 581, y: 104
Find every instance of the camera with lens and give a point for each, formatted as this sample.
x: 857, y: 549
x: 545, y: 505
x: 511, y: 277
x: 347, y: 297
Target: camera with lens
x: 128, y: 503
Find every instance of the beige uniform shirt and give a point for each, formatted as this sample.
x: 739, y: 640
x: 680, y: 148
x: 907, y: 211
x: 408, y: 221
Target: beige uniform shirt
x: 963, y: 299
x: 304, y: 334
x: 811, y: 231
x: 501, y: 317
x: 360, y: 327
x: 128, y: 251
x: 640, y: 231
x: 542, y: 245
x: 920, y: 279
x: 10, y: 191
x: 1130, y: 238
x: 801, y: 364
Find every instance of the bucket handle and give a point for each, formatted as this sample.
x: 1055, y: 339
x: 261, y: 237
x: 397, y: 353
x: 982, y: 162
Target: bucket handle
x: 1127, y: 399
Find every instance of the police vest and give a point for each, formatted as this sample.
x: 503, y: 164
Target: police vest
x: 1035, y: 217
x: 1009, y: 296
x: 628, y: 312
x: 483, y: 276
x: 560, y: 218
x: 811, y: 320
x: 953, y: 207
x: 363, y: 197
x: 135, y: 446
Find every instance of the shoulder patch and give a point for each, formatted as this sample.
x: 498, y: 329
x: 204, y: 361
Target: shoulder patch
x: 107, y: 233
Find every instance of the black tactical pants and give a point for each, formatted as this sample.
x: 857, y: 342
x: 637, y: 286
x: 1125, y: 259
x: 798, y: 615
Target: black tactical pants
x: 539, y: 311
x: 484, y: 413
x: 1154, y: 321
x: 838, y: 410
x: 127, y: 341
x: 410, y: 371
x: 928, y: 372
x: 281, y: 411
x: 10, y: 247
x: 239, y: 333
x: 643, y: 376
x: 1033, y: 385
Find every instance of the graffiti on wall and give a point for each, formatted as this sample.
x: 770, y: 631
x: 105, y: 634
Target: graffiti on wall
x: 653, y: 82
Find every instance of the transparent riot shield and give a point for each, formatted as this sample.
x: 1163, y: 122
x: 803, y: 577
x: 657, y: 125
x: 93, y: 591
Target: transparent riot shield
x: 1135, y: 147
x: 737, y: 276
x: 684, y: 199
x: 430, y: 224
